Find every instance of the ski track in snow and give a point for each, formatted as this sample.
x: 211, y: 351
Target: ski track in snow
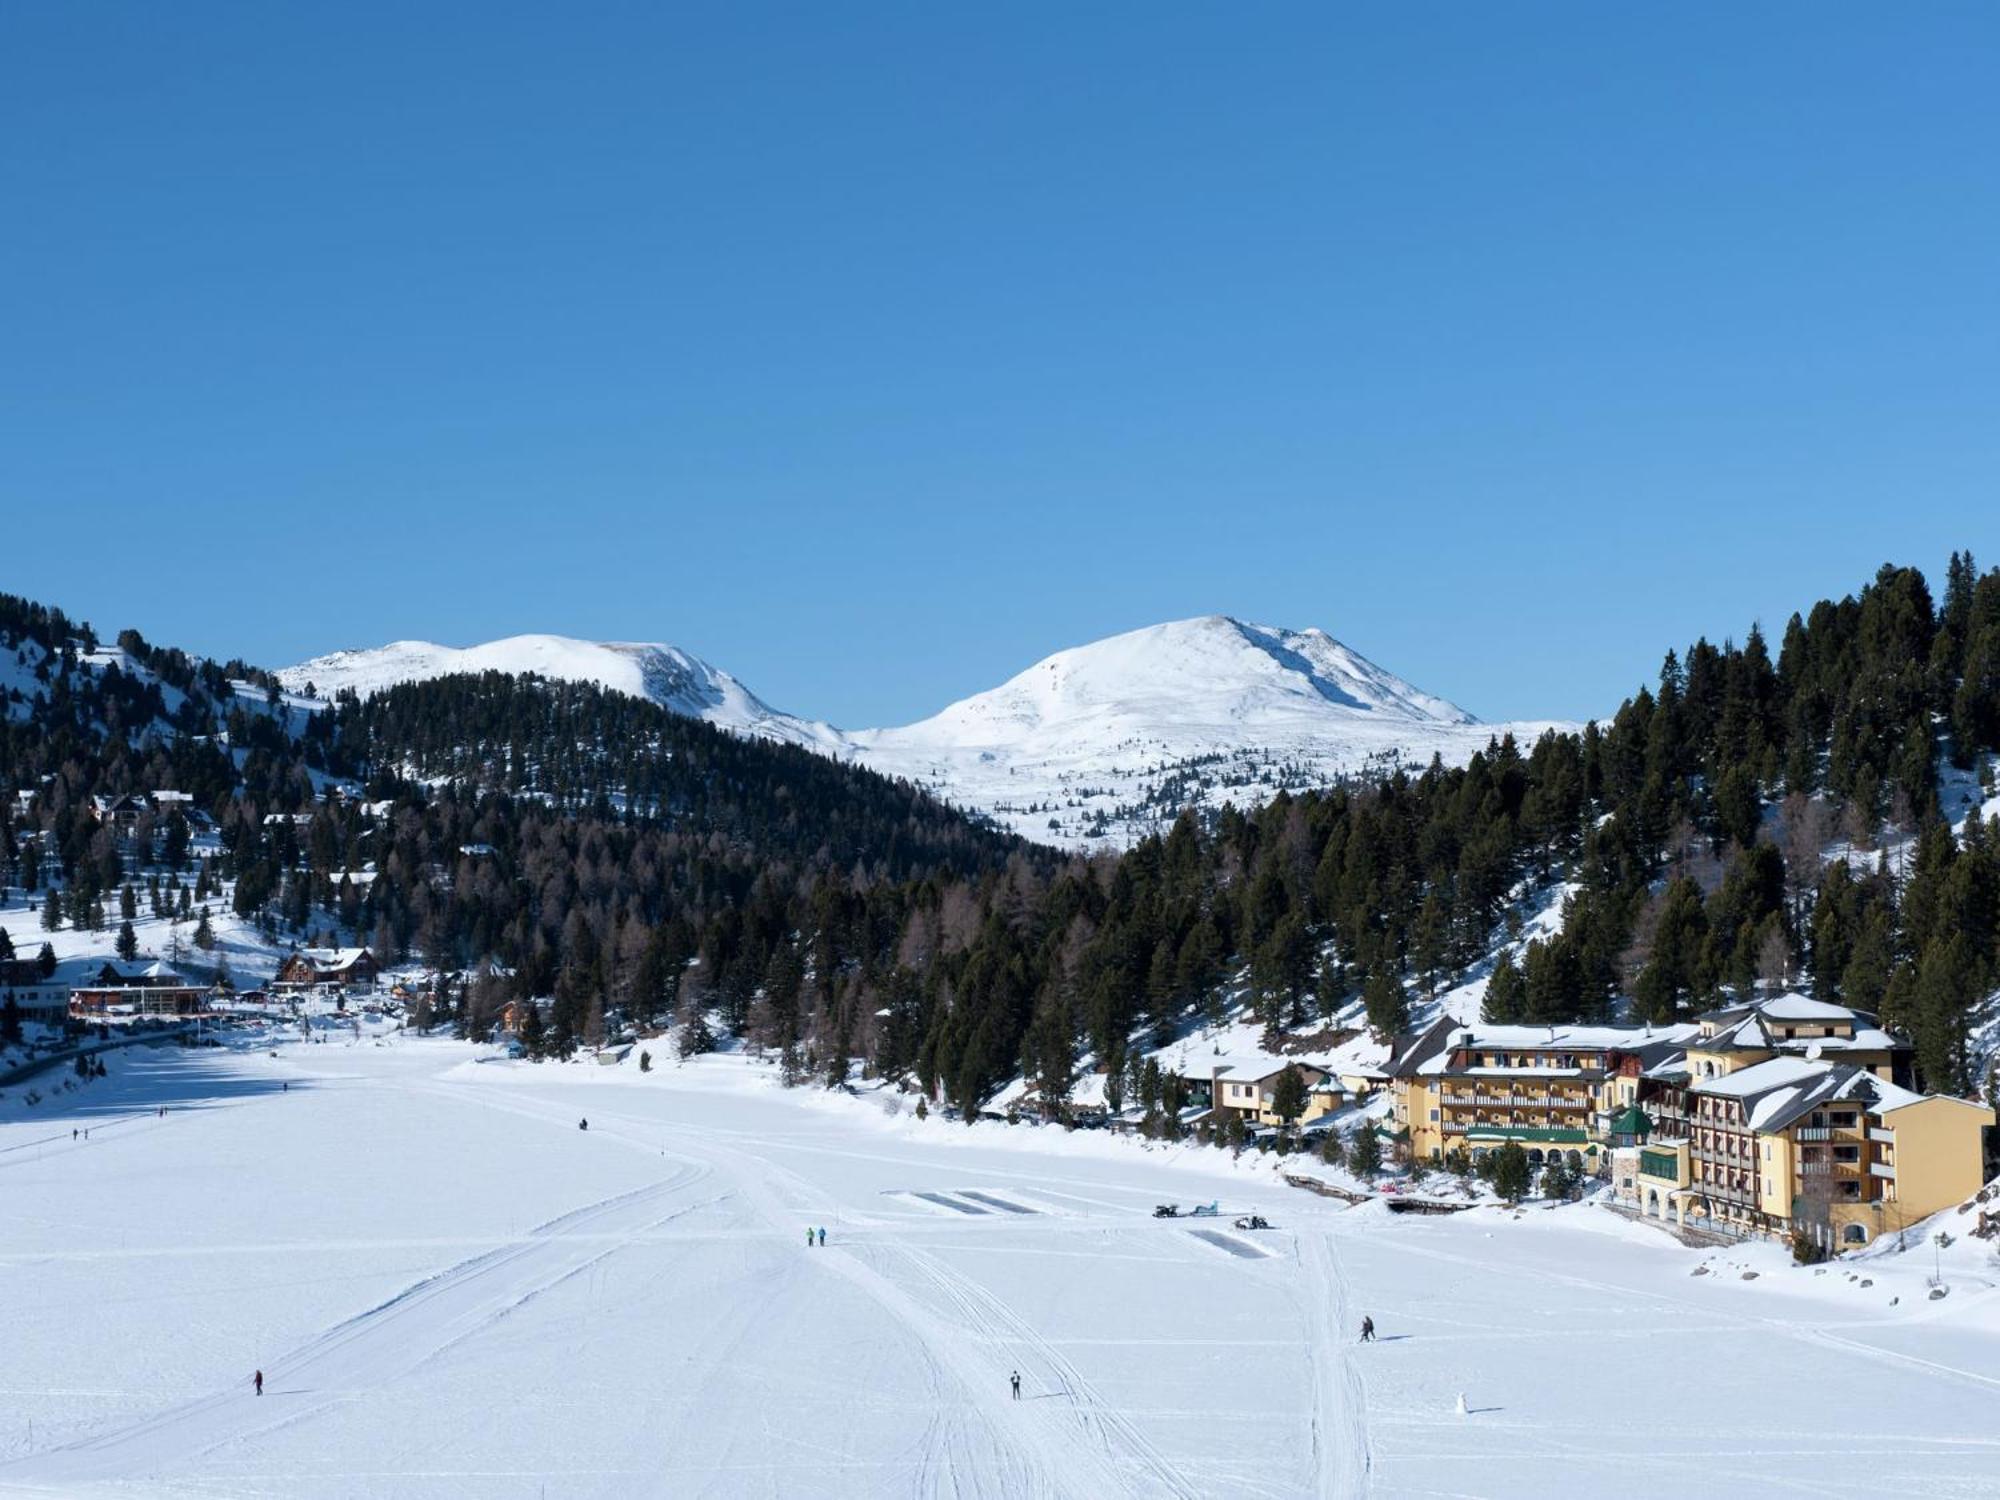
x: 399, y: 1335
x: 1341, y: 1461
x: 1152, y: 1363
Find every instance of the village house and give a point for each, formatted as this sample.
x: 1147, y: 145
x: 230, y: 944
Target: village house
x: 1247, y: 1086
x: 35, y: 999
x: 152, y: 989
x: 327, y: 969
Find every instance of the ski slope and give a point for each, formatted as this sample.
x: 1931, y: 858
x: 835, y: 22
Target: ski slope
x: 454, y: 1291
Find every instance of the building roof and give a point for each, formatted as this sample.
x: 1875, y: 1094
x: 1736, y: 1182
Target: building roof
x: 112, y: 975
x: 1429, y: 1051
x: 332, y: 958
x: 1632, y: 1120
x: 1782, y: 1090
x: 1796, y: 1007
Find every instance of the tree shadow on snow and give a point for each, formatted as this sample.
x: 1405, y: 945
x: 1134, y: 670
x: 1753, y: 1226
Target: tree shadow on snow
x: 141, y: 1080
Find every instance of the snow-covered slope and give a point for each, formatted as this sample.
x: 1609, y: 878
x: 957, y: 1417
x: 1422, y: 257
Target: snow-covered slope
x: 1105, y: 742
x: 673, y: 678
x: 1099, y: 744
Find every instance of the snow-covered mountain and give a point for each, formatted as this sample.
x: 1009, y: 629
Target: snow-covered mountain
x: 673, y: 678
x: 1099, y: 744
x: 1107, y: 742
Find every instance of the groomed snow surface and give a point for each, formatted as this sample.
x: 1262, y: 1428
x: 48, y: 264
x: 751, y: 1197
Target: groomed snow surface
x: 454, y: 1291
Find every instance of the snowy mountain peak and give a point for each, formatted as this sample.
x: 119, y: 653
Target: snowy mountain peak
x: 675, y: 679
x: 1210, y: 670
x: 1095, y: 745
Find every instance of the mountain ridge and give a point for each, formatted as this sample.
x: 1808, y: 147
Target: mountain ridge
x: 1094, y: 744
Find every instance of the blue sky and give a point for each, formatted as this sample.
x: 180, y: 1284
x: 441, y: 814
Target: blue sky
x: 875, y: 351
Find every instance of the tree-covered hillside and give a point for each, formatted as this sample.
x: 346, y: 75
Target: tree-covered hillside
x: 1740, y: 820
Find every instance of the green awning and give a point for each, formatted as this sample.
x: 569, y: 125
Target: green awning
x: 1539, y: 1133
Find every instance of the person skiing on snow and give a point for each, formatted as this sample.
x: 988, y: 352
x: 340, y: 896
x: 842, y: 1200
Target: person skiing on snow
x: 258, y: 1380
x: 822, y: 1239
x: 1367, y: 1330
x: 1017, y: 1385
x: 809, y: 1237
x: 583, y: 1124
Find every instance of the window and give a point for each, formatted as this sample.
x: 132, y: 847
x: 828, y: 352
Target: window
x: 1854, y: 1234
x: 1434, y: 1115
x: 1844, y: 1119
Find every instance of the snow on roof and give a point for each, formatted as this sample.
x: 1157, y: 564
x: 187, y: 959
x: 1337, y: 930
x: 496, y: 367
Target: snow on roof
x: 1779, y: 1091
x: 332, y: 958
x: 1568, y: 1038
x: 1797, y: 1007
x: 1244, y: 1067
x: 1758, y: 1078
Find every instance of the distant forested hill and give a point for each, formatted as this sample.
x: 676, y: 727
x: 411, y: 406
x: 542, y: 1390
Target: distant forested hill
x: 1802, y: 819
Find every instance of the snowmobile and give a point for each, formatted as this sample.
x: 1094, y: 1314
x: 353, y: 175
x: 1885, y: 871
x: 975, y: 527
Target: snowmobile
x: 1253, y: 1221
x: 1166, y: 1210
x: 1208, y: 1210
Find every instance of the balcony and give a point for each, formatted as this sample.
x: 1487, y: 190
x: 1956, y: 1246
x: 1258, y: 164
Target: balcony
x: 1814, y: 1133
x: 1513, y: 1101
x: 1883, y: 1169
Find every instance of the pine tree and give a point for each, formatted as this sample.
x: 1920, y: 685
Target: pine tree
x: 1364, y: 1154
x: 1388, y: 1009
x: 52, y: 911
x: 1506, y: 995
x: 532, y: 1034
x: 128, y: 942
x: 1509, y: 1168
x: 1288, y: 1094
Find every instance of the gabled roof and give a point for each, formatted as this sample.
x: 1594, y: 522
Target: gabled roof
x: 331, y: 958
x: 1782, y: 1090
x: 155, y: 973
x: 1429, y: 1051
x: 1797, y: 1007
x: 1415, y: 1052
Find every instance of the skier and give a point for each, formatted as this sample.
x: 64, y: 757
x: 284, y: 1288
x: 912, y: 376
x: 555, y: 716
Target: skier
x: 822, y: 1239
x: 583, y: 1124
x: 809, y: 1237
x: 1367, y: 1330
x: 258, y: 1379
x: 1017, y: 1385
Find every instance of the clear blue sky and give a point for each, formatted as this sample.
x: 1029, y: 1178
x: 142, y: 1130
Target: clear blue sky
x: 875, y: 351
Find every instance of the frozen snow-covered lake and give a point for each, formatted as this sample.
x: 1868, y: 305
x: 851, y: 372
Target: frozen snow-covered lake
x: 452, y: 1291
